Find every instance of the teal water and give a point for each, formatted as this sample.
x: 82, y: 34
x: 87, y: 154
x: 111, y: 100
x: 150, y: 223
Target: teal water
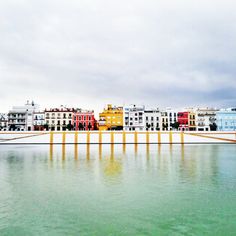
x: 139, y: 190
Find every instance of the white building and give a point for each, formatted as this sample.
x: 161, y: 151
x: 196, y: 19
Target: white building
x: 39, y: 120
x: 164, y: 125
x: 134, y: 119
x: 20, y: 118
x: 171, y: 118
x: 152, y: 119
x: 3, y: 122
x: 59, y: 119
x: 206, y: 119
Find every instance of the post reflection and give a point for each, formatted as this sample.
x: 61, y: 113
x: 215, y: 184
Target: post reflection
x: 124, y: 148
x: 188, y: 161
x: 51, y: 152
x: 135, y: 149
x: 100, y: 151
x: 147, y: 151
x: 76, y: 151
x: 112, y: 150
x: 88, y: 151
x: 63, y: 152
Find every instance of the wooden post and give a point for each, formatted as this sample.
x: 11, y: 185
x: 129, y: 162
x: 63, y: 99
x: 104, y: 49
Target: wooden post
x: 182, y: 137
x: 88, y: 137
x: 124, y: 137
x: 112, y: 137
x: 159, y: 137
x: 147, y: 137
x: 135, y: 137
x: 76, y: 137
x: 100, y: 137
x: 51, y: 137
x: 63, y: 137
x: 170, y: 137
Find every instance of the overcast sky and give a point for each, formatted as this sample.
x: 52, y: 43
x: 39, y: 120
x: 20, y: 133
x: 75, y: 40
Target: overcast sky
x: 86, y: 53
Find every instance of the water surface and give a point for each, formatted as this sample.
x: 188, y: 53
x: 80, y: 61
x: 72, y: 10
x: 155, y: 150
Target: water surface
x: 119, y: 190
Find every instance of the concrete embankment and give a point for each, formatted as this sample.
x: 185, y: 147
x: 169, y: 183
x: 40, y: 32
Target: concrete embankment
x: 116, y: 137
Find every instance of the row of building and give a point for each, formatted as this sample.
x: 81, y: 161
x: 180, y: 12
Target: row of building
x: 129, y: 118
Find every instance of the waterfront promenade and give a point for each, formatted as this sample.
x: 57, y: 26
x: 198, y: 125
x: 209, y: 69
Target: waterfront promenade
x: 116, y: 137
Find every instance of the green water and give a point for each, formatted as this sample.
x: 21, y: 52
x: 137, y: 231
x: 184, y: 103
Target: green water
x: 159, y: 190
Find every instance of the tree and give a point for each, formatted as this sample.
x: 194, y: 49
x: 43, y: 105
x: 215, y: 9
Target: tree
x: 175, y: 125
x: 213, y: 127
x: 45, y: 126
x: 70, y: 127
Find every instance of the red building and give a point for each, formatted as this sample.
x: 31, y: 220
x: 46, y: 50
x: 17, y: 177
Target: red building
x: 183, y: 120
x: 84, y: 120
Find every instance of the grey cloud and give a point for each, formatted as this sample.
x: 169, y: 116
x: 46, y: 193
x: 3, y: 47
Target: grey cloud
x: 87, y: 53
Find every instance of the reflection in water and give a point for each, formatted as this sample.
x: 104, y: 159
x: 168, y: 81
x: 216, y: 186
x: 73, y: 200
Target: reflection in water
x: 77, y: 189
x: 88, y: 152
x: 135, y: 149
x: 100, y: 151
x: 76, y: 151
x: 63, y: 152
x: 51, y: 152
x: 191, y: 160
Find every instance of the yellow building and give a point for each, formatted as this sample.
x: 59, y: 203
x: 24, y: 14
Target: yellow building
x: 192, y: 120
x: 111, y: 118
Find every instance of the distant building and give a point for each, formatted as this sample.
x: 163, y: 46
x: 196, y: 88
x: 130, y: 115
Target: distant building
x: 152, y: 119
x: 59, y: 119
x: 164, y: 121
x: 183, y: 120
x: 226, y: 119
x: 20, y: 118
x: 191, y: 120
x: 172, y: 119
x: 134, y: 119
x: 39, y: 121
x: 3, y: 122
x: 84, y: 120
x: 111, y: 118
x: 206, y: 119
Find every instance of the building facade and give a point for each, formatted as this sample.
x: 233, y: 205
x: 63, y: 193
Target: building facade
x: 59, y: 119
x: 206, y: 119
x: 111, y: 118
x: 191, y: 120
x: 20, y: 118
x: 84, y: 120
x: 39, y: 121
x: 172, y: 119
x: 152, y: 119
x: 226, y: 119
x: 3, y: 122
x: 164, y: 122
x: 134, y: 119
x: 183, y: 120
